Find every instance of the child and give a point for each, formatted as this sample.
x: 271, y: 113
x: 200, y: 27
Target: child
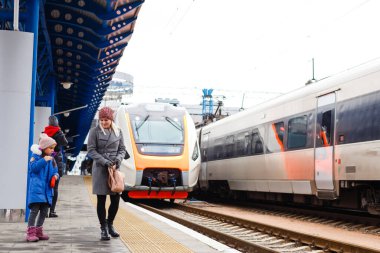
x: 43, y: 173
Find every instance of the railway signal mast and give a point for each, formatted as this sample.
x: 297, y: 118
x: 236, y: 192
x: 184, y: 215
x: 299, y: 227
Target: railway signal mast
x: 207, y: 104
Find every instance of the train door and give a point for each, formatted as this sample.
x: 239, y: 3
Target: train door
x: 204, y: 159
x: 324, y: 146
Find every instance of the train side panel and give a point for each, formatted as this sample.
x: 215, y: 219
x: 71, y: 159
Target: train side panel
x: 194, y: 153
x: 128, y: 165
x: 348, y: 149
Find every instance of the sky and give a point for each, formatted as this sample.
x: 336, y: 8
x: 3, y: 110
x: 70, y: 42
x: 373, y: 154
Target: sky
x: 256, y: 49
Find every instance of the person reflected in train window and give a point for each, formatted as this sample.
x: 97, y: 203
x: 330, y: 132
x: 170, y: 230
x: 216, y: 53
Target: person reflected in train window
x: 280, y: 133
x: 324, y: 136
x: 259, y: 147
x: 247, y: 145
x: 106, y: 148
x: 326, y: 127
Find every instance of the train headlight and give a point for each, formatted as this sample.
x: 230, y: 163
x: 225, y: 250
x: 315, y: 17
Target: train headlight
x: 195, y: 152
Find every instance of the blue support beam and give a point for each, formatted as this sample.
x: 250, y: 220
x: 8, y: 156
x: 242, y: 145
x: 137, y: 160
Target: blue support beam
x: 52, y: 82
x: 7, y: 14
x: 32, y: 26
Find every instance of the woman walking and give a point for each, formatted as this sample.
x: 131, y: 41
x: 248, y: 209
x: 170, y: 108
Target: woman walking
x: 106, y: 148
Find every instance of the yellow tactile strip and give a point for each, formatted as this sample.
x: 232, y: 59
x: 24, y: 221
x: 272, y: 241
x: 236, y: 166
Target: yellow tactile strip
x: 139, y: 236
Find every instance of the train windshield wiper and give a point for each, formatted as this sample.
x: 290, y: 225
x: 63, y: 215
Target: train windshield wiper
x: 137, y: 127
x: 174, y: 123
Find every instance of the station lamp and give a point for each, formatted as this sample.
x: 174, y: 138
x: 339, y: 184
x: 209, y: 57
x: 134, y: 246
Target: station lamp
x: 66, y: 85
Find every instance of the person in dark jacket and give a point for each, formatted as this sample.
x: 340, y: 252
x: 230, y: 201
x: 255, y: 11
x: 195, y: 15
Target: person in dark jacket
x: 43, y: 174
x: 54, y: 131
x: 106, y: 147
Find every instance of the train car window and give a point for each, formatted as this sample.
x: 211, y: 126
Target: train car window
x: 247, y: 144
x: 229, y: 146
x: 150, y: 129
x: 276, y: 137
x: 205, y: 148
x: 257, y: 144
x: 218, y: 149
x: 297, y: 132
x: 326, y: 128
x: 239, y: 144
x: 242, y: 144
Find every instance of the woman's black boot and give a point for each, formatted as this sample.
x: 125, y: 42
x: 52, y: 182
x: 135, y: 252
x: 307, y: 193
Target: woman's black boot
x: 104, y: 233
x: 112, y: 230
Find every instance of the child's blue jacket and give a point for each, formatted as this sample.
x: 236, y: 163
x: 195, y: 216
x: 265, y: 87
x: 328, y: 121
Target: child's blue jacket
x: 40, y: 174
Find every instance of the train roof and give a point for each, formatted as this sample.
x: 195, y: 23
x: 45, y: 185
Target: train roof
x: 318, y: 88
x: 147, y: 108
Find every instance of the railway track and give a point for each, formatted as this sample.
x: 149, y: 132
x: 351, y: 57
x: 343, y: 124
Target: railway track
x: 349, y: 220
x: 346, y: 219
x: 250, y: 236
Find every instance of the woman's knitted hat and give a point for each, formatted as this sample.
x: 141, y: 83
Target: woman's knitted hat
x: 45, y: 141
x: 106, y: 113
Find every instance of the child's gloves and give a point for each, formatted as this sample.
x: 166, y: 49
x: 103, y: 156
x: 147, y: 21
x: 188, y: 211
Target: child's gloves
x: 52, y: 181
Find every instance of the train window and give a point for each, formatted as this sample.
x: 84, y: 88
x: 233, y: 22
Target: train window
x: 229, y: 146
x: 247, y: 143
x: 297, y: 132
x: 218, y: 149
x: 276, y: 137
x: 326, y: 129
x: 242, y: 144
x: 257, y: 144
x: 239, y: 149
x: 164, y: 130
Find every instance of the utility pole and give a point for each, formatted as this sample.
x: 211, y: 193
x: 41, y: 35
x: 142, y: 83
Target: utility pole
x: 312, y: 69
x: 242, y: 103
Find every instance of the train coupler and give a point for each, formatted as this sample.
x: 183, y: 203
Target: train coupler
x: 174, y: 181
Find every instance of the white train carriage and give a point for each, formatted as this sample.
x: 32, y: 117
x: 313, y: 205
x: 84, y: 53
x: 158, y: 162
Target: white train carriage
x: 321, y: 140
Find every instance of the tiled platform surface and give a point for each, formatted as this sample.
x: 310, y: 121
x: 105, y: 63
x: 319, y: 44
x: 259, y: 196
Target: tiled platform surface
x: 77, y: 229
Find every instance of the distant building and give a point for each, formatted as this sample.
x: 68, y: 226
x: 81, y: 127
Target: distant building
x: 172, y: 101
x: 121, y: 84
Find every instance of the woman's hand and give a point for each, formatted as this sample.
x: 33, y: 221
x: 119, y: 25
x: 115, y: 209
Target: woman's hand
x: 48, y: 158
x: 109, y: 164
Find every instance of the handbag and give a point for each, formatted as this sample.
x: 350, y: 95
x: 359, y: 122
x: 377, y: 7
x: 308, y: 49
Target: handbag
x: 115, y: 180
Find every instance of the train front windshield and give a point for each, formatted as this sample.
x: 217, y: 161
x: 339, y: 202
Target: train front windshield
x: 158, y: 135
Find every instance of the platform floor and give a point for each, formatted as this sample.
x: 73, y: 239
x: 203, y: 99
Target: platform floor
x: 77, y: 228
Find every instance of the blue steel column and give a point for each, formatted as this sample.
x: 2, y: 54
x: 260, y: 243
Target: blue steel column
x: 33, y: 9
x: 52, y: 82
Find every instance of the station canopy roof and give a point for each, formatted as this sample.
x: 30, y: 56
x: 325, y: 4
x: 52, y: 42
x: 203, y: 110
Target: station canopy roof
x: 87, y: 39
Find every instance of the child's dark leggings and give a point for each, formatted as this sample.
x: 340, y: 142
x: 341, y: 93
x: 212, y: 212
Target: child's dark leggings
x: 36, y: 208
